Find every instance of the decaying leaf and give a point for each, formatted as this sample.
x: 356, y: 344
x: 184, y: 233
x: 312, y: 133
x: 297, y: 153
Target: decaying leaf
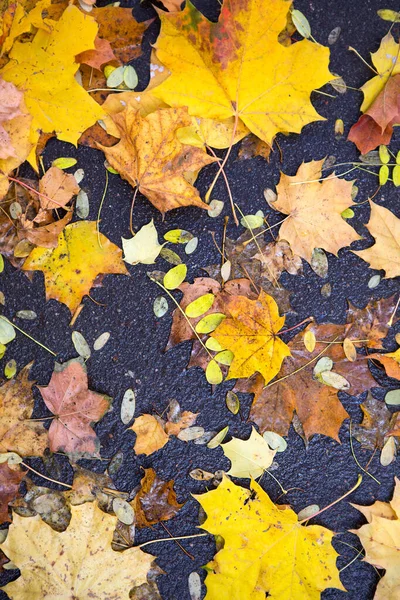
x: 249, y: 458
x: 265, y: 547
x: 372, y: 322
x: 380, y: 538
x: 75, y: 408
x: 250, y: 332
x: 155, y: 501
x: 10, y: 480
x: 391, y: 362
x: 17, y: 433
x: 150, y: 156
x: 78, y: 561
x: 71, y: 268
x: 378, y: 423
x: 314, y: 211
x: 244, y: 69
x: 385, y: 253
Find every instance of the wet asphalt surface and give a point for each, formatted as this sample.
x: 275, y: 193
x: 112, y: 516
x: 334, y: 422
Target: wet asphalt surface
x: 135, y: 357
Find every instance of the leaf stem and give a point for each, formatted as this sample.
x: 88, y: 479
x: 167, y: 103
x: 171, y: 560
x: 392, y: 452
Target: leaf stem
x: 355, y: 457
x: 28, y: 336
x: 44, y: 476
x: 222, y: 165
x: 100, y: 208
x: 31, y: 189
x: 359, y: 480
x: 172, y: 539
x: 362, y: 59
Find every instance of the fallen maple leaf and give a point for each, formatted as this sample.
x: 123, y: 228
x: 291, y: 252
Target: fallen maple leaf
x: 249, y: 458
x: 295, y: 390
x: 78, y: 562
x: 102, y: 53
x: 59, y: 187
x: 314, y: 211
x: 381, y: 541
x: 17, y: 132
x: 75, y: 408
x: 378, y: 422
x: 45, y: 69
x: 151, y: 157
x: 367, y: 135
x: 250, y: 332
x: 252, y: 146
x: 391, y: 362
x: 71, y: 268
x: 267, y: 551
x: 384, y: 226
x: 10, y: 102
x: 150, y: 435
x: 17, y: 433
x: 372, y: 322
x: 239, y: 61
x: 144, y: 247
x: 10, y: 480
x: 155, y: 501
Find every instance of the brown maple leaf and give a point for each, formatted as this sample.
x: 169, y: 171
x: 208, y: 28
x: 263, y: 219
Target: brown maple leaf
x: 316, y: 405
x: 150, y: 156
x: 367, y: 135
x: 57, y: 189
x: 102, y: 53
x: 75, y: 408
x: 252, y: 146
x: 10, y: 480
x: 372, y: 322
x: 378, y: 422
x: 314, y: 210
x: 17, y: 433
x: 155, y: 501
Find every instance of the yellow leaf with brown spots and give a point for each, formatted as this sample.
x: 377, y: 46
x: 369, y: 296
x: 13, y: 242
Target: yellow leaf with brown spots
x: 71, y: 268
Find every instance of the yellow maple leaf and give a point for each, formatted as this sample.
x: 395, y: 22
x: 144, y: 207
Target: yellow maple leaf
x: 381, y: 540
x: 314, y: 211
x: 249, y: 458
x: 249, y: 331
x: 386, y: 62
x: 384, y: 226
x: 71, y: 268
x: 45, y: 70
x: 237, y: 68
x: 150, y: 435
x: 76, y: 563
x: 267, y: 550
x: 151, y: 157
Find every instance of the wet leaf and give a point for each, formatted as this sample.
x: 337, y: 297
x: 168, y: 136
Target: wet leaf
x: 29, y: 315
x: 143, y: 247
x: 319, y: 262
x: 190, y: 433
x: 155, y: 501
x: 170, y: 256
x: 252, y: 221
x: 130, y: 77
x: 301, y: 23
x: 226, y: 270
x: 388, y: 453
x: 309, y: 340
x: 323, y: 364
x: 349, y: 350
x: 209, y: 323
x: 200, y: 475
x: 334, y: 35
x: 194, y: 584
x: 335, y: 380
x: 275, y: 441
x: 7, y: 331
x: 191, y: 246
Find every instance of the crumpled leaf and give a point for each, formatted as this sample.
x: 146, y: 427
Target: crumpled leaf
x: 316, y: 405
x: 45, y: 69
x: 75, y: 408
x: 314, y: 211
x: 78, y: 559
x: 381, y: 538
x: 265, y: 548
x: 17, y: 433
x: 150, y: 156
x: 71, y: 268
x: 384, y: 226
x: 249, y: 458
x: 10, y: 480
x: 143, y: 247
x: 378, y: 423
x: 244, y: 69
x: 155, y: 501
x: 250, y: 332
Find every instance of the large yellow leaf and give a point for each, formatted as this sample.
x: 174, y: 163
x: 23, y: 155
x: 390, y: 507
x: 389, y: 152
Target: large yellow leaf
x: 385, y: 253
x: 77, y: 563
x: 71, y: 268
x: 151, y: 157
x: 237, y: 67
x: 266, y: 549
x: 314, y: 210
x: 45, y: 70
x: 249, y: 331
x: 381, y: 540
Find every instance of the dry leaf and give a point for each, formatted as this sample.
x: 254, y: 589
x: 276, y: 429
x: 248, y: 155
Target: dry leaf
x: 391, y: 362
x: 71, y: 268
x: 381, y: 540
x: 78, y: 561
x: 59, y: 186
x: 151, y: 157
x: 244, y: 69
x: 102, y: 53
x: 314, y: 211
x: 249, y: 458
x: 250, y: 332
x: 265, y: 548
x: 75, y: 408
x: 384, y: 226
x: 155, y: 501
x: 17, y: 433
x: 150, y: 435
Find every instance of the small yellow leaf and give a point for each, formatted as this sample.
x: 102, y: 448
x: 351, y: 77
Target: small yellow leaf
x: 225, y: 357
x: 396, y: 175
x: 64, y: 162
x: 213, y: 373
x: 212, y: 344
x: 301, y: 23
x: 175, y: 276
x: 10, y: 369
x: 249, y: 458
x: 200, y: 306
x: 349, y: 350
x: 389, y: 15
x: 384, y: 155
x: 383, y: 174
x: 309, y: 340
x: 209, y: 323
